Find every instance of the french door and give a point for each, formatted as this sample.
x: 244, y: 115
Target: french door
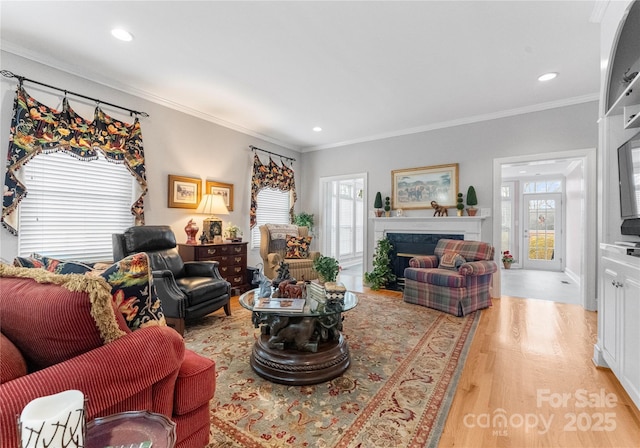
x: 343, y: 218
x: 543, y: 233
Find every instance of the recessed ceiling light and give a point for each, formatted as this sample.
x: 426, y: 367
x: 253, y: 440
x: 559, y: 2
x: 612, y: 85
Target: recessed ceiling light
x: 547, y: 76
x: 122, y: 34
x: 317, y: 129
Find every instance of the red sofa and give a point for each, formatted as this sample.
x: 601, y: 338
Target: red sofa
x: 64, y: 332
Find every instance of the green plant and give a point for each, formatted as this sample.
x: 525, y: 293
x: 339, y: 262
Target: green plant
x: 381, y: 273
x: 460, y: 202
x: 377, y: 203
x: 327, y: 268
x: 304, y: 219
x: 472, y: 200
x: 232, y: 230
x: 387, y: 204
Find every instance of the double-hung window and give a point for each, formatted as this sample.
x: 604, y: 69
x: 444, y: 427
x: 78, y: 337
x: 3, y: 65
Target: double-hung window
x: 273, y: 208
x: 73, y: 207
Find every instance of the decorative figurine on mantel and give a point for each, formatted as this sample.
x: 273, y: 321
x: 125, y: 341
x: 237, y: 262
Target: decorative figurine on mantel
x: 440, y: 210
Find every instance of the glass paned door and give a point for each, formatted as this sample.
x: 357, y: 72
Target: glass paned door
x: 543, y: 231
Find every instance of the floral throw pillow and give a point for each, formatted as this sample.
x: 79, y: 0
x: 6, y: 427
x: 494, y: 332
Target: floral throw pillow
x: 298, y: 246
x: 133, y: 292
x: 451, y: 261
x: 51, y: 264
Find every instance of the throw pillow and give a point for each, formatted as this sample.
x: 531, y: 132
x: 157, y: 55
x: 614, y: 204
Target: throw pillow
x: 298, y: 246
x: 133, y: 292
x: 451, y: 261
x: 52, y: 264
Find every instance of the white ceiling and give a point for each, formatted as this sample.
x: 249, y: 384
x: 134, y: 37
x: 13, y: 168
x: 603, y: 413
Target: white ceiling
x: 361, y: 70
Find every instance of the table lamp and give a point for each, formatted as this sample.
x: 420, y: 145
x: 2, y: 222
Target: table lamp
x: 212, y: 204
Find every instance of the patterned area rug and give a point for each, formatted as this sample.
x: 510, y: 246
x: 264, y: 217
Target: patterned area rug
x: 405, y: 363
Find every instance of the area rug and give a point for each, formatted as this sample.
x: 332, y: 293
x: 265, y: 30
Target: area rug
x: 405, y: 363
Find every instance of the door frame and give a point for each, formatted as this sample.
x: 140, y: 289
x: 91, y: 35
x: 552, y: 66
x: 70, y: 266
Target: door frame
x: 589, y: 217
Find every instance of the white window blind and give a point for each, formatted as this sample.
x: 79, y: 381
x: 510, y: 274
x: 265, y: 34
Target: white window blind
x: 273, y: 208
x: 73, y: 207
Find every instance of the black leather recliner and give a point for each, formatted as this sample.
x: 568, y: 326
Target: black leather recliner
x: 188, y: 290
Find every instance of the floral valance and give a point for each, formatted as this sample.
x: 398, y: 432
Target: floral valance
x: 278, y: 177
x: 37, y: 128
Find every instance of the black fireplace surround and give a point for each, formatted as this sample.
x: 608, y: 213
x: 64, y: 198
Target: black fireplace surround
x: 410, y: 244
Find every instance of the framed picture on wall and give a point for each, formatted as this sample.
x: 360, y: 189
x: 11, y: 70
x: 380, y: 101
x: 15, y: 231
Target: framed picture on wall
x: 184, y: 192
x: 224, y: 190
x: 415, y: 188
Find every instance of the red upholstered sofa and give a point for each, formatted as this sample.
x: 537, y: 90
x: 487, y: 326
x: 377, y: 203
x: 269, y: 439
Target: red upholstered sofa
x: 63, y: 332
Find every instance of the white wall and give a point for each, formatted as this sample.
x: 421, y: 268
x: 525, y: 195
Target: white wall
x: 174, y: 143
x: 472, y: 146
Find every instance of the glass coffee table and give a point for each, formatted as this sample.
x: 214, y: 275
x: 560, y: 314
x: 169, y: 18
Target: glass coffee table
x: 300, y: 347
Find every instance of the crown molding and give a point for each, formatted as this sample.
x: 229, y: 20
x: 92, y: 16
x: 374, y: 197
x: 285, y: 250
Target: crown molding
x: 97, y: 78
x: 462, y: 121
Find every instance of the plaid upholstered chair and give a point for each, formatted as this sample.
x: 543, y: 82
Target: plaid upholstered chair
x: 456, y: 280
x: 288, y: 243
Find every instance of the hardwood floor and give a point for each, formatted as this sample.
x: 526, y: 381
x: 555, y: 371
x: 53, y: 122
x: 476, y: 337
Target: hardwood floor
x: 530, y: 365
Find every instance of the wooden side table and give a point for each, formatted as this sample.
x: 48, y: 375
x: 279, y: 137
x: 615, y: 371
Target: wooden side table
x: 231, y: 256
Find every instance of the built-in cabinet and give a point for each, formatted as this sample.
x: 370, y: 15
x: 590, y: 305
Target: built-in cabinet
x: 619, y: 316
x: 618, y: 345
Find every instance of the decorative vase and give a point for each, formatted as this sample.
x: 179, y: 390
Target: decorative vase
x: 378, y: 213
x: 191, y: 229
x: 506, y: 264
x: 460, y: 212
x: 387, y: 213
x: 472, y: 211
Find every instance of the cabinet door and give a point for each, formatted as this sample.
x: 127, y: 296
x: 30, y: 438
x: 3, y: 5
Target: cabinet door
x: 630, y: 299
x: 610, y: 318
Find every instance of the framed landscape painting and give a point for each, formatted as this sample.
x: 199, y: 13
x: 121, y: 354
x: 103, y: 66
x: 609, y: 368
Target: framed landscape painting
x: 184, y: 192
x: 224, y: 190
x: 415, y: 188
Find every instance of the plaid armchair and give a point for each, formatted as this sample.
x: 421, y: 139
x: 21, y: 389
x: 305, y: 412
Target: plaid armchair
x: 273, y: 250
x: 456, y: 280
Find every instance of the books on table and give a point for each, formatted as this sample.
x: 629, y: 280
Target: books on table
x: 279, y: 304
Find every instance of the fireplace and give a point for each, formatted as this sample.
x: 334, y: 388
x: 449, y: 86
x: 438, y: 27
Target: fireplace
x: 408, y: 245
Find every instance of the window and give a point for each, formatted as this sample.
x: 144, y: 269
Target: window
x: 273, y: 208
x: 73, y: 207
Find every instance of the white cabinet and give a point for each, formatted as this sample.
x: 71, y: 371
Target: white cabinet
x: 619, y: 317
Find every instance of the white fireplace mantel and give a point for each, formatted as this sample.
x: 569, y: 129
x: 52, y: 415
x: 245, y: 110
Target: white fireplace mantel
x: 469, y: 226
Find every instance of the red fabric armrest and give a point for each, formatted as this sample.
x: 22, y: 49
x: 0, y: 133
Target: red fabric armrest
x: 426, y: 261
x: 482, y: 267
x: 106, y: 375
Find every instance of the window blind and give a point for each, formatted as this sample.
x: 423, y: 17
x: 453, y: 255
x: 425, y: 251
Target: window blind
x: 73, y: 207
x: 273, y: 208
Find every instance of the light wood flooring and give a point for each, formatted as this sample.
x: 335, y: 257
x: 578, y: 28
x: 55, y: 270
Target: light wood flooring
x: 525, y: 355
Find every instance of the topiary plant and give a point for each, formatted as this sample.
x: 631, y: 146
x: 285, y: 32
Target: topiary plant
x: 381, y: 274
x: 377, y: 204
x: 387, y: 205
x: 472, y: 201
x: 460, y: 204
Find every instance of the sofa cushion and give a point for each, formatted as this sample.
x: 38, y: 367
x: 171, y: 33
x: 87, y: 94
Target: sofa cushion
x: 52, y: 264
x: 12, y: 363
x: 196, y: 383
x: 280, y: 231
x: 51, y: 318
x: 298, y: 246
x: 133, y: 292
x: 451, y: 260
x: 439, y: 277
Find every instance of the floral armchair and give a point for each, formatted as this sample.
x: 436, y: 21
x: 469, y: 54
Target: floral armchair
x: 288, y: 243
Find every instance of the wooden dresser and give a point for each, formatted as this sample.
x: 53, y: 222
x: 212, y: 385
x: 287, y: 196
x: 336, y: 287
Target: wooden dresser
x: 231, y: 256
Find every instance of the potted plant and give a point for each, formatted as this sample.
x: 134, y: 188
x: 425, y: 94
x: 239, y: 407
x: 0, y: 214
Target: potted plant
x: 472, y: 201
x: 507, y: 259
x: 381, y: 275
x: 377, y: 204
x: 304, y: 219
x: 387, y: 206
x: 233, y: 232
x: 460, y: 204
x: 327, y: 268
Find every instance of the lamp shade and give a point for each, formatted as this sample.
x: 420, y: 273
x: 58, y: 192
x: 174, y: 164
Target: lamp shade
x: 212, y: 204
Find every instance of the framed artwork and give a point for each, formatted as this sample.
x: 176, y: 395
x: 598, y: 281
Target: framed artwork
x: 224, y: 190
x: 184, y: 192
x: 415, y: 188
